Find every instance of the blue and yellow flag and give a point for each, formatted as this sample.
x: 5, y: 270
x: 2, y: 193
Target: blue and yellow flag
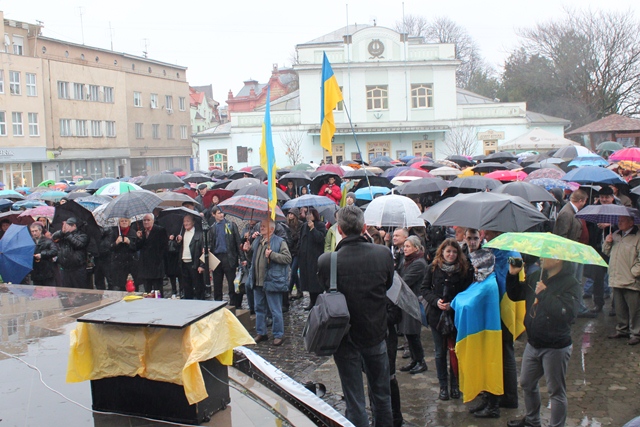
x: 268, y: 157
x: 479, y: 339
x: 511, y: 312
x: 330, y: 97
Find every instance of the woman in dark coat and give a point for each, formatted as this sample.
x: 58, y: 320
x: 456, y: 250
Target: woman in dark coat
x: 152, y: 244
x: 449, y: 274
x: 124, y: 257
x: 311, y: 247
x: 412, y: 271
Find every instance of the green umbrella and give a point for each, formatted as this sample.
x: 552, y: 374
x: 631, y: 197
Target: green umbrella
x: 302, y: 167
x: 547, y: 245
x: 84, y: 182
x: 609, y: 146
x: 47, y: 183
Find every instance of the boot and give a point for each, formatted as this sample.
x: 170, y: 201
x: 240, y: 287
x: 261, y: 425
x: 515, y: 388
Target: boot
x: 492, y: 410
x: 455, y: 389
x: 409, y: 367
x: 480, y: 405
x: 419, y: 367
x: 444, y: 393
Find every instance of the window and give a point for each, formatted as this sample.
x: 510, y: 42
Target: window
x: 110, y: 128
x: 154, y: 100
x: 81, y: 128
x: 218, y: 158
x: 181, y: 103
x: 31, y: 84
x: 155, y: 131
x: 137, y: 99
x: 18, y: 45
x: 183, y: 132
x: 78, y: 91
x: 96, y: 128
x: 377, y: 97
x: 16, y: 118
x: 14, y: 82
x: 63, y: 90
x: 1, y: 81
x: 94, y: 93
x: 168, y: 102
x: 3, y: 123
x: 65, y: 127
x: 139, y: 130
x: 33, y: 124
x: 108, y: 94
x: 422, y: 95
x: 169, y: 131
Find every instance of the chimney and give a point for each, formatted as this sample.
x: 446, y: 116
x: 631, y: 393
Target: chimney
x: 230, y: 95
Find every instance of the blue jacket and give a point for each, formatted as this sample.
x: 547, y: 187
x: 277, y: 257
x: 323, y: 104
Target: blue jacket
x: 276, y: 278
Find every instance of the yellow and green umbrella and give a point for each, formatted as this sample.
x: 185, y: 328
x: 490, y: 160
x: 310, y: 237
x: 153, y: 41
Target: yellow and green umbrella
x: 547, y: 245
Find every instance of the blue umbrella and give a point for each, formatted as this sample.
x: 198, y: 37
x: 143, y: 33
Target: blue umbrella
x: 53, y: 196
x: 308, y: 200
x: 368, y: 193
x: 16, y: 253
x: 593, y: 160
x: 391, y: 173
x: 607, y: 214
x: 92, y: 202
x: 549, y: 183
x: 26, y: 204
x: 405, y: 159
x: 382, y: 158
x: 5, y: 204
x: 26, y: 190
x: 11, y: 194
x: 593, y: 175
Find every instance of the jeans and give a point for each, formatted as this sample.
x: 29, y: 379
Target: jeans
x: 266, y: 302
x: 552, y: 363
x: 350, y: 361
x: 441, y: 359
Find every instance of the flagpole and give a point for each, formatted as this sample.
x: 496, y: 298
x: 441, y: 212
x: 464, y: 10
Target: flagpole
x: 355, y: 137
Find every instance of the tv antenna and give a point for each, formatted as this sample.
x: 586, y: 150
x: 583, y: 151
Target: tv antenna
x: 81, y: 24
x: 145, y: 52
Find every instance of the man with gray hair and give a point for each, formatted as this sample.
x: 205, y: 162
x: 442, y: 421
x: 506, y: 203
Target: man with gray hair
x: 364, y: 274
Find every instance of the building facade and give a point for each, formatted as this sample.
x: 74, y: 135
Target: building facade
x: 399, y: 94
x: 99, y: 113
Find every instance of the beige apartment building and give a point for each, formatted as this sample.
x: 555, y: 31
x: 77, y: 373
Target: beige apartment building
x: 100, y: 113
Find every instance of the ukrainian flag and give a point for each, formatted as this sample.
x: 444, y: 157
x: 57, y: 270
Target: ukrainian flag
x: 330, y: 97
x: 268, y: 157
x: 479, y: 340
x: 511, y: 312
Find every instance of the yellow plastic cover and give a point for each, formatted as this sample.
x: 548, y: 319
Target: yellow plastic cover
x: 159, y: 354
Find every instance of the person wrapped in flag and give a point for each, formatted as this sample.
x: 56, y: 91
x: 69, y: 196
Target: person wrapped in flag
x: 479, y: 339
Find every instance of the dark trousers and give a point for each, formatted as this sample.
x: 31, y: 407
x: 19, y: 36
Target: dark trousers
x: 224, y: 269
x: 392, y: 351
x: 121, y: 268
x: 152, y: 285
x: 415, y: 347
x: 174, y: 284
x: 101, y: 273
x: 441, y: 348
x: 192, y: 281
x: 597, y: 275
x: 76, y: 278
x: 509, y: 372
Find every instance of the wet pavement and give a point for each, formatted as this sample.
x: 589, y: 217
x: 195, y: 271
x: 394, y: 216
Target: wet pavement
x: 603, y: 379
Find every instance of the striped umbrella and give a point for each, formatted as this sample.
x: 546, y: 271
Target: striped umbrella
x: 549, y: 183
x: 117, y: 188
x: 249, y: 208
x: 131, y: 204
x: 607, y: 214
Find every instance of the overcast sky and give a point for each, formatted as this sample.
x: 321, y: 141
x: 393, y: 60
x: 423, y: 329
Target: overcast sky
x: 226, y: 42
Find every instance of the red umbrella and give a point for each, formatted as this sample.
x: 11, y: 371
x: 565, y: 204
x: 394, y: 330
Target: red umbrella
x: 418, y: 165
x: 632, y: 154
x: 221, y: 193
x: 180, y: 174
x: 16, y: 218
x: 508, y: 175
x: 188, y: 192
x: 332, y: 168
x: 415, y: 172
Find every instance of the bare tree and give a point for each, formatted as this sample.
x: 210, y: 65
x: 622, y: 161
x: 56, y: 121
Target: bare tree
x: 292, y: 140
x: 461, y: 140
x: 414, y: 25
x: 293, y: 57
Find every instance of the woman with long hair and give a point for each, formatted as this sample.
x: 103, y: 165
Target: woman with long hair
x: 412, y: 270
x: 447, y: 276
x: 312, y: 234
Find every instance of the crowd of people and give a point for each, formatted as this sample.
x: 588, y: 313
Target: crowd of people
x: 276, y: 263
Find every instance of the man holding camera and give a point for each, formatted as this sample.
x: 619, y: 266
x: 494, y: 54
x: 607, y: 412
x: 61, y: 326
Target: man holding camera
x: 551, y: 303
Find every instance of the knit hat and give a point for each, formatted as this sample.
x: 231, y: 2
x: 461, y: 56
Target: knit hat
x: 202, y: 186
x: 352, y: 195
x: 294, y: 211
x: 71, y: 221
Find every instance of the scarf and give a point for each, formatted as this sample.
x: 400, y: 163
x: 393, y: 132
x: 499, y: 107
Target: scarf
x: 414, y: 256
x: 450, y: 268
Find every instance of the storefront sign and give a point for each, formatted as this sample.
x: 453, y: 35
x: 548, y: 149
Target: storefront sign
x: 23, y: 154
x: 490, y: 135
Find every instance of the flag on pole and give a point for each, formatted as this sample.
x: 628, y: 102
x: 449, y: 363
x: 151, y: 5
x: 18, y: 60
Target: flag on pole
x: 330, y: 97
x: 268, y: 157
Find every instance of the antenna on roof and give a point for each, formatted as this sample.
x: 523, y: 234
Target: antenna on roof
x: 111, y: 35
x: 146, y: 46
x: 81, y: 24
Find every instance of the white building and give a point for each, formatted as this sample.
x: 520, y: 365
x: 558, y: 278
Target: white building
x: 401, y: 96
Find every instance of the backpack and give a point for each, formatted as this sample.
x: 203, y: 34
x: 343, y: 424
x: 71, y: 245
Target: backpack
x: 328, y: 320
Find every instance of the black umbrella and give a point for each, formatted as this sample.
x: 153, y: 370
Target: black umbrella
x: 281, y: 172
x: 460, y: 160
x: 100, y: 182
x: 358, y: 174
x: 485, y: 211
x: 217, y: 173
x: 299, y: 178
x: 478, y: 158
x: 161, y: 181
x: 86, y: 222
x: 373, y: 181
x: 422, y: 186
x: 262, y: 190
x: 383, y: 165
x: 529, y: 192
x: 197, y: 178
x: 259, y: 173
x: 475, y: 182
x: 431, y: 166
x: 241, y: 183
x: 239, y: 174
x: 321, y: 178
x: 501, y: 157
x: 489, y: 167
x: 171, y: 219
x: 77, y: 194
x: 222, y: 183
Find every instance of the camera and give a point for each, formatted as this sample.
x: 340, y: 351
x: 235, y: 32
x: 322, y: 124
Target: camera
x: 516, y: 262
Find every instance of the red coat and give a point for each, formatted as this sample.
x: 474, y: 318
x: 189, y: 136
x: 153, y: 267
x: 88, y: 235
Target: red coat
x: 335, y: 195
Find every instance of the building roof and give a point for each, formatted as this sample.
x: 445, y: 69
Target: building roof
x: 337, y: 35
x: 195, y: 97
x: 611, y: 123
x: 539, y: 119
x: 223, y: 129
x: 290, y: 101
x: 466, y: 97
x: 248, y: 85
x: 207, y: 90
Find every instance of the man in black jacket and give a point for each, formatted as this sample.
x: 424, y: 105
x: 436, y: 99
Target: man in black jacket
x: 124, y: 254
x: 42, y: 273
x: 72, y: 254
x: 190, y: 243
x: 152, y: 244
x: 551, y: 309
x: 364, y: 274
x: 224, y: 243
